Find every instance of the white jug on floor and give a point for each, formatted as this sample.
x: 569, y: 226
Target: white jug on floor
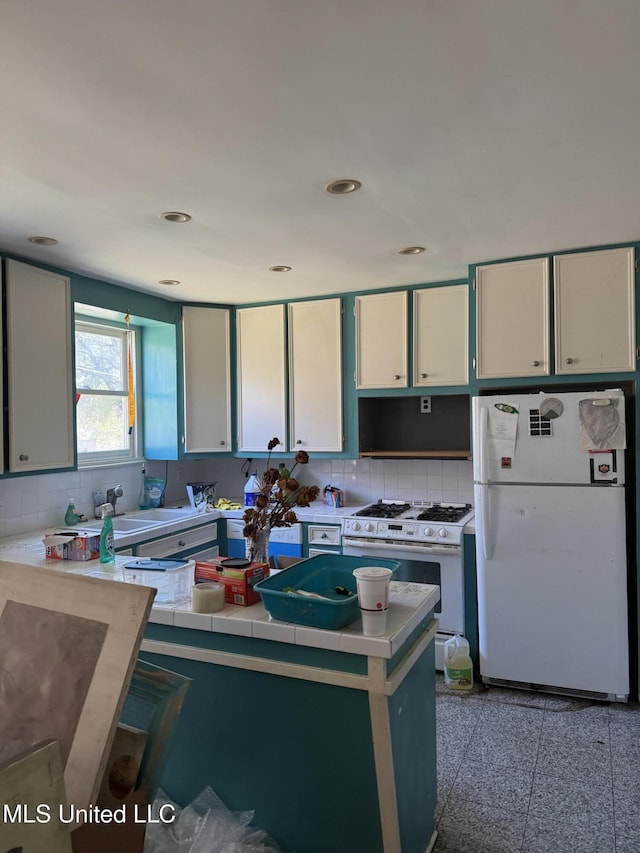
x: 458, y: 666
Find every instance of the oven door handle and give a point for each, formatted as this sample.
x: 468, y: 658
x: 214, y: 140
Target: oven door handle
x: 368, y: 545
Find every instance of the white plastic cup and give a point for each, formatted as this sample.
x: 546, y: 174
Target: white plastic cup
x: 373, y: 597
x: 374, y: 622
x: 373, y: 587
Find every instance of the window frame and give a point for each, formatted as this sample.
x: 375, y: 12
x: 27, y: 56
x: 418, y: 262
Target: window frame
x: 108, y: 327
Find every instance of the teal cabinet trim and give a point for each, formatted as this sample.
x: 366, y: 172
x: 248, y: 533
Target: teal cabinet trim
x: 470, y: 597
x: 160, y: 392
x: 121, y: 299
x: 412, y: 708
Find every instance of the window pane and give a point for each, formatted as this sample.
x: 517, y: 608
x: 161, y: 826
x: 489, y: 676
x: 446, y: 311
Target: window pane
x: 103, y: 424
x: 100, y: 362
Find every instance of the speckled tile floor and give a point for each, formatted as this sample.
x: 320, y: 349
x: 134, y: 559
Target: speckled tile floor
x: 536, y: 773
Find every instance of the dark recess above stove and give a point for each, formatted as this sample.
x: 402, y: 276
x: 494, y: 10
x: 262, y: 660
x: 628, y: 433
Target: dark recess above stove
x: 394, y: 427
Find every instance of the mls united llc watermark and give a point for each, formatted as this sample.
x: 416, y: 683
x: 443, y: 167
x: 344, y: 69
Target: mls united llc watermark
x: 45, y: 813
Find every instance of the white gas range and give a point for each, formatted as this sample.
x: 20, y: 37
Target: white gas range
x: 422, y: 523
x: 427, y: 538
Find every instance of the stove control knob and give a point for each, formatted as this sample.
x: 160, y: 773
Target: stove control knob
x: 443, y: 533
x: 356, y: 525
x: 369, y: 527
x: 428, y: 531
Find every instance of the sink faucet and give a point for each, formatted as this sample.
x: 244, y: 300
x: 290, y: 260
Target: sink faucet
x: 113, y: 494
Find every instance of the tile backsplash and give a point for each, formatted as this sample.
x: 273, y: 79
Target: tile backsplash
x: 38, y: 502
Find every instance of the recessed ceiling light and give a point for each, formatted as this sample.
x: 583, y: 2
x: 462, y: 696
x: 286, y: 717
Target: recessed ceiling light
x: 168, y: 281
x: 43, y: 241
x: 279, y: 269
x: 175, y: 216
x: 343, y: 186
x: 411, y: 250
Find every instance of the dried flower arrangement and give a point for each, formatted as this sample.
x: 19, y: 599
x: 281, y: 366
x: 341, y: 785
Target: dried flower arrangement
x: 274, y: 507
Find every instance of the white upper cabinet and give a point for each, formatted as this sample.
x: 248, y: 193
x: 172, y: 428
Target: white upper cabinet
x: 207, y: 409
x: 381, y: 340
x: 512, y: 319
x: 595, y: 311
x: 315, y: 375
x: 261, y: 366
x: 440, y: 336
x: 40, y: 371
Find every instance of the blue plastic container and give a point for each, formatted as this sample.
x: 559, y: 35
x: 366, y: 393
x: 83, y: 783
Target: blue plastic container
x: 321, y: 574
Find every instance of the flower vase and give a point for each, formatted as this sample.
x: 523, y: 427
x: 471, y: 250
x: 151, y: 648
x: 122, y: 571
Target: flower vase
x: 257, y: 546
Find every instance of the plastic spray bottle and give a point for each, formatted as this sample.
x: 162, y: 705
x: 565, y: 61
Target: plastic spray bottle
x: 71, y: 515
x: 107, y: 551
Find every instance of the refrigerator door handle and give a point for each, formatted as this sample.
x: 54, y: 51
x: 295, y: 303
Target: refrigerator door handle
x: 487, y: 547
x: 484, y: 429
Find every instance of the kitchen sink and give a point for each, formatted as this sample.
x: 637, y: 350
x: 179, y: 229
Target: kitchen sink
x: 161, y: 514
x: 120, y: 525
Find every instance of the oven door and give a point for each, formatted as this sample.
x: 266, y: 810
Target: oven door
x: 422, y: 563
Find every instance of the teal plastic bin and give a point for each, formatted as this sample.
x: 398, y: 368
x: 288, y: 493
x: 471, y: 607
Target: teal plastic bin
x: 320, y: 574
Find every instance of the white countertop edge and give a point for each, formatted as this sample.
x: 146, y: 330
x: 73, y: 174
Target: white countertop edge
x: 255, y: 621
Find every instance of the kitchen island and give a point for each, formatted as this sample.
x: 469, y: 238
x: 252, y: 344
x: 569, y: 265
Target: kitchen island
x: 329, y: 736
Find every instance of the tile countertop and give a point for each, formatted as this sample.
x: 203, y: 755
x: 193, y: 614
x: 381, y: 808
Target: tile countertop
x: 316, y: 512
x: 320, y: 513
x: 409, y: 603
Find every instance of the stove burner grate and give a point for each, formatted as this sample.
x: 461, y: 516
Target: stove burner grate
x: 443, y: 512
x: 384, y: 510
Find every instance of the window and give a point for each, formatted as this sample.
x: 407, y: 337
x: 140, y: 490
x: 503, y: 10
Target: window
x: 102, y: 390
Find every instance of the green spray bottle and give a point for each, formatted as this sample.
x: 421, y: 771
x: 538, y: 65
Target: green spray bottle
x: 107, y: 551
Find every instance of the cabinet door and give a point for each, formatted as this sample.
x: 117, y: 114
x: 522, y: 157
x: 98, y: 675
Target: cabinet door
x: 207, y: 411
x: 262, y: 409
x: 440, y: 336
x: 40, y: 380
x: 595, y: 311
x: 381, y: 340
x: 315, y: 375
x: 512, y: 319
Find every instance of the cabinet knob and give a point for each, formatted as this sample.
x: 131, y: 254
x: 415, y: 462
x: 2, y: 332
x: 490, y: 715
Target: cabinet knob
x: 23, y: 457
x: 181, y: 543
x: 568, y: 361
x: 535, y: 364
x: 222, y: 443
x: 396, y: 376
x: 299, y: 441
x: 423, y: 375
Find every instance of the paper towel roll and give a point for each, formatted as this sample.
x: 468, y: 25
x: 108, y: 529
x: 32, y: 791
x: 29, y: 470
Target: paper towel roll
x: 207, y: 597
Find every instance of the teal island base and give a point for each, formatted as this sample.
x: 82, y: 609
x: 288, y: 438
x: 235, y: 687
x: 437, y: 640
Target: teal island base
x: 333, y: 750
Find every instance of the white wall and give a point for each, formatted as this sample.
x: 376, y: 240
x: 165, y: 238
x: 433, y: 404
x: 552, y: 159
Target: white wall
x: 39, y: 502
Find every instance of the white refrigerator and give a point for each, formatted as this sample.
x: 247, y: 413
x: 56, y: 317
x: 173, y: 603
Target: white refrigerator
x: 551, y: 541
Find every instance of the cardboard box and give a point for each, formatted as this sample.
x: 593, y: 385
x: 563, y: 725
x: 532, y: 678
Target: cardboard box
x: 239, y: 583
x: 72, y: 546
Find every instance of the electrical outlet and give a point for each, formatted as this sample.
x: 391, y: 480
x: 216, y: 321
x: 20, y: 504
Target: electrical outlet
x: 425, y: 405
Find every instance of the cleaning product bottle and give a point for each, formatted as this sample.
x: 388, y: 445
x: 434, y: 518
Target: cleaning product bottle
x: 142, y: 495
x: 107, y: 552
x: 71, y: 515
x: 252, y: 489
x: 458, y: 666
x: 283, y: 471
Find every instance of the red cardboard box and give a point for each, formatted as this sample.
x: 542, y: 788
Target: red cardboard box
x: 239, y: 583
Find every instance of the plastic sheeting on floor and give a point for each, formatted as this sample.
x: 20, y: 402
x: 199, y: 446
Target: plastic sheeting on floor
x: 204, y: 826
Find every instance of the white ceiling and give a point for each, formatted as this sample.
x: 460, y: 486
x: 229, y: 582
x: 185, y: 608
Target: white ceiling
x: 480, y: 129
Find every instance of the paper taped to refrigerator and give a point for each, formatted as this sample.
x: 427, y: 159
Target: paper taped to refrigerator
x: 601, y: 424
x: 501, y: 433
